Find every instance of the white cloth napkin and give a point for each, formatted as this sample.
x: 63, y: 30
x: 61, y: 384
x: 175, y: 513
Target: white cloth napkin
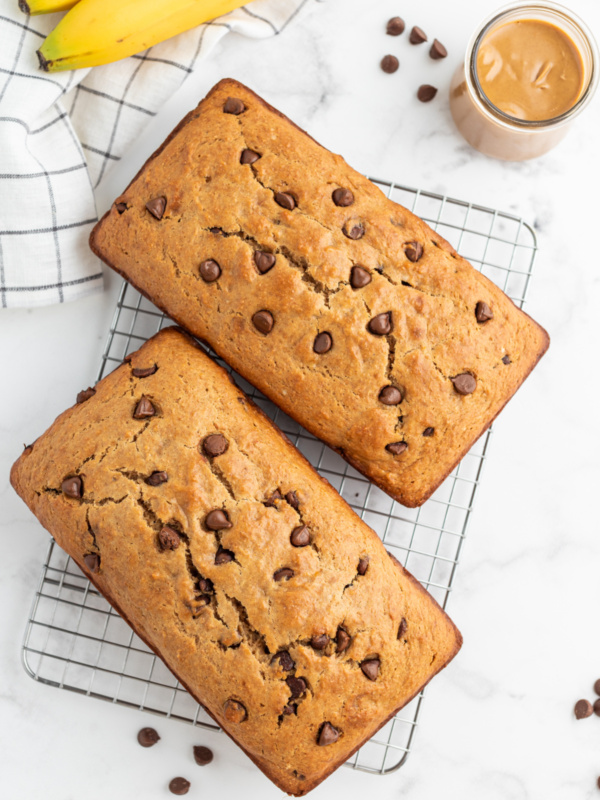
x: 60, y: 133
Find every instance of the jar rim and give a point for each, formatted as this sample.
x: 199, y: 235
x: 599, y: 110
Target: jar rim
x: 483, y: 100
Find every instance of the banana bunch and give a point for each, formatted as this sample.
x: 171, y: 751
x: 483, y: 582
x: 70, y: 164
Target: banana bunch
x: 97, y: 32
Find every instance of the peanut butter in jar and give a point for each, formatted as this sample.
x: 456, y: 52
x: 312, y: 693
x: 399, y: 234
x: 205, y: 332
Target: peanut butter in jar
x: 529, y: 71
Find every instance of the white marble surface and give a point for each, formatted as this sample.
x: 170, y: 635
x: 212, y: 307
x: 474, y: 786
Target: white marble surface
x: 498, y: 724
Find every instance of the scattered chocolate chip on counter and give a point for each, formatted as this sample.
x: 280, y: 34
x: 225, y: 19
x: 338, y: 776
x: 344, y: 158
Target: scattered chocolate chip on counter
x: 148, y: 737
x: 437, y: 50
x: 395, y: 26
x: 583, y: 709
x: 417, y: 36
x: 597, y: 687
x: 597, y: 707
x: 426, y: 93
x: 202, y: 755
x: 179, y: 786
x: 389, y: 64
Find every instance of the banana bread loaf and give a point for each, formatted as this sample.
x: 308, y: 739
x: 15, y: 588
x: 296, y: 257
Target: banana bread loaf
x: 264, y: 593
x: 341, y: 306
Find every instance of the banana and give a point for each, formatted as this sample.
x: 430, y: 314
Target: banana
x: 97, y: 32
x: 45, y: 6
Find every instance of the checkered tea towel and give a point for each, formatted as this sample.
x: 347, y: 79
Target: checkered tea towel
x: 60, y: 133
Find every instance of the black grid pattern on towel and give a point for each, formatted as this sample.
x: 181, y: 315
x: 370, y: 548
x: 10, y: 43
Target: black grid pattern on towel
x: 74, y: 640
x: 57, y: 235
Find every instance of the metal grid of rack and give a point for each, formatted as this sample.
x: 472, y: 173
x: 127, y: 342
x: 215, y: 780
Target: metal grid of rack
x: 74, y: 640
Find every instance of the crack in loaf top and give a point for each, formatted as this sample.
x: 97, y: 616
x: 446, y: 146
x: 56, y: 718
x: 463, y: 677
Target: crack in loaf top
x: 340, y: 305
x: 271, y: 601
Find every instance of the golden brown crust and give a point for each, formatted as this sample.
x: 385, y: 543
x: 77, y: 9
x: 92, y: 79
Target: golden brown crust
x: 221, y: 209
x: 220, y: 638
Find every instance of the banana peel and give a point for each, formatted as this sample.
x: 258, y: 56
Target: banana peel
x: 34, y: 7
x: 98, y: 32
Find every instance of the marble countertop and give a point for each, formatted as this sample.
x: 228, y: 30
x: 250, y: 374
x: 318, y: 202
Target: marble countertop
x: 498, y: 724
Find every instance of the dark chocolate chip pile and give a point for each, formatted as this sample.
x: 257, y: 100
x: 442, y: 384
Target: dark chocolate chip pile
x: 437, y: 52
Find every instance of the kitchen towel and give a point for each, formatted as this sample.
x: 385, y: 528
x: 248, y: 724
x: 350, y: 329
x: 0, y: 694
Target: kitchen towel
x: 60, y: 133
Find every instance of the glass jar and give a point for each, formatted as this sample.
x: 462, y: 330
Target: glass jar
x: 494, y: 132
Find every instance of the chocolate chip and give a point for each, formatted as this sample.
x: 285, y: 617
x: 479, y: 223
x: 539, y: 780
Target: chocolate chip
x: 428, y: 431
x: 215, y: 445
x: 157, y: 478
x: 264, y: 261
x: 319, y: 642
x: 202, y: 755
x: 286, y: 662
x: 72, y: 487
x: 234, y: 711
x: 290, y: 708
x: 395, y: 26
x: 327, y: 735
x: 179, y: 786
x: 144, y: 372
x: 263, y: 321
x: 85, y: 394
x: 300, y: 536
x: 148, y: 737
x: 292, y: 499
x: 597, y: 707
x: 297, y: 686
x: 168, y: 538
x: 217, y: 520
x: 323, y: 343
x: 597, y: 686
x: 210, y: 270
x: 506, y: 360
x: 216, y: 230
x: 390, y: 396
x: 121, y: 207
x: 144, y: 409
x: 464, y: 383
x: 233, y: 106
x: 342, y: 197
x: 426, y: 93
x: 437, y: 50
x: 205, y: 585
x: 353, y: 229
x: 417, y: 36
x: 413, y: 251
x: 381, y: 325
x: 395, y: 448
x: 402, y: 628
x: 342, y: 640
x: 363, y: 565
x: 483, y: 312
x: 249, y: 156
x: 92, y: 562
x: 285, y: 573
x: 285, y: 200
x: 223, y: 556
x: 370, y: 668
x: 270, y: 502
x: 389, y: 64
x: 157, y: 207
x: 359, y: 277
x: 583, y: 709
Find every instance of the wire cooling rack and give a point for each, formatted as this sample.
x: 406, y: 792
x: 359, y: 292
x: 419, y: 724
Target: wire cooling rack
x: 74, y: 640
